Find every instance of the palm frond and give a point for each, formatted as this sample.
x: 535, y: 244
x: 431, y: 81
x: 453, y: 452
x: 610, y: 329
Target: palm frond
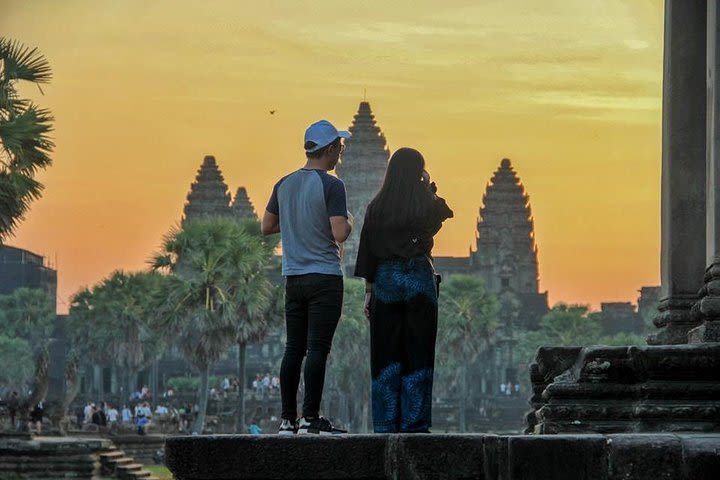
x: 23, y: 63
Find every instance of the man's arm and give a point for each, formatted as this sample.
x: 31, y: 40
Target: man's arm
x: 271, y: 220
x: 270, y: 223
x: 341, y: 228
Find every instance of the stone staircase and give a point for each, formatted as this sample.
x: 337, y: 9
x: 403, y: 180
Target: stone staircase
x: 35, y: 458
x: 117, y: 464
x: 142, y: 448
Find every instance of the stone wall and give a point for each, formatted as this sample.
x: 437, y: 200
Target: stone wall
x: 51, y: 458
x: 421, y: 456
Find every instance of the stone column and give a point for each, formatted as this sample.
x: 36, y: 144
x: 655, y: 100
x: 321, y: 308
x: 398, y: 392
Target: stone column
x: 683, y: 168
x: 709, y: 304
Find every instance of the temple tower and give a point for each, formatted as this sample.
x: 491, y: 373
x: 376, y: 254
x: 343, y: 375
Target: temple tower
x: 209, y: 196
x: 362, y: 168
x: 506, y: 254
x: 242, y: 206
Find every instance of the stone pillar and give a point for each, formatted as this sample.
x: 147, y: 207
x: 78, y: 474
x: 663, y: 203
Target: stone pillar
x: 98, y: 390
x: 114, y: 384
x: 683, y: 169
x: 709, y: 304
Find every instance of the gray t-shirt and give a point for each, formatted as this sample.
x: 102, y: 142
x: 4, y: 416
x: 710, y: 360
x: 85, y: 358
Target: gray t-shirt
x: 305, y: 200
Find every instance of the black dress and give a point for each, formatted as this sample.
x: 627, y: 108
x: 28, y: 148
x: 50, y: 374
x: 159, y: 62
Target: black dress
x: 403, y: 318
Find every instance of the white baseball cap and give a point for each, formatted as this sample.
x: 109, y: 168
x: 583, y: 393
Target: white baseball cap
x: 323, y: 133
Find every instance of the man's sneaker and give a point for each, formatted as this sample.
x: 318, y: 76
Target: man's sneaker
x: 287, y: 428
x: 318, y: 426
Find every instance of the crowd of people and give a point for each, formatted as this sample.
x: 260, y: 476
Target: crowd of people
x: 510, y: 389
x: 265, y: 384
x: 137, y: 413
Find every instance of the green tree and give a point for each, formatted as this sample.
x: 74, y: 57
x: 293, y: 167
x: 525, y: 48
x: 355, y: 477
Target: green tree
x: 204, y: 260
x: 29, y: 314
x: 622, y: 338
x: 350, y: 366
x: 17, y: 361
x: 24, y: 132
x: 256, y: 301
x: 467, y: 323
x: 115, y: 323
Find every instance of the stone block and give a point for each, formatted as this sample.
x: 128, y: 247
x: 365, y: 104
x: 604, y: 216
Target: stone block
x: 495, y: 457
x: 557, y: 457
x: 236, y: 457
x: 701, y: 456
x: 645, y: 457
x: 451, y: 457
x: 707, y: 332
x: 552, y: 361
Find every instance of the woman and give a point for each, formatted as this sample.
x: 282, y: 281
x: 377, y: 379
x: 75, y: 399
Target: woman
x: 394, y: 258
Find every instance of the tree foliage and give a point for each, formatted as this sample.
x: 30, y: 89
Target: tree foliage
x: 569, y: 325
x: 467, y: 319
x: 466, y: 326
x: 28, y: 313
x: 349, y: 361
x: 209, y: 262
x: 114, y: 323
x: 17, y: 361
x: 25, y: 145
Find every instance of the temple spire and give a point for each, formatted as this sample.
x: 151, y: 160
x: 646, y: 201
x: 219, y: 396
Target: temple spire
x: 209, y: 196
x: 506, y: 253
x: 362, y: 168
x: 242, y: 206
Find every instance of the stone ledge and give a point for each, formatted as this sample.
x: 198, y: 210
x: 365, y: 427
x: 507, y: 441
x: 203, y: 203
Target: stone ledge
x: 420, y: 456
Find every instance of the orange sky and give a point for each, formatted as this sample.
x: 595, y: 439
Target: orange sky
x: 570, y: 91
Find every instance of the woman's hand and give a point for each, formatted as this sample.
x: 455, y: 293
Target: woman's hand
x: 368, y: 300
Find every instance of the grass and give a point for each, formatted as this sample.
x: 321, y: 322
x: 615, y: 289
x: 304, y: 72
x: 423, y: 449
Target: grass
x: 160, y: 471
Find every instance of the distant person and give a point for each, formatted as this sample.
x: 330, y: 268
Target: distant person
x: 254, y: 428
x: 141, y: 424
x: 309, y: 209
x: 98, y: 417
x: 88, y: 411
x: 112, y: 416
x: 126, y: 414
x: 13, y: 402
x: 36, y: 416
x: 401, y: 296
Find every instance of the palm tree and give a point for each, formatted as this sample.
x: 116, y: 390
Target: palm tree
x: 256, y: 301
x: 127, y: 306
x: 204, y: 260
x: 24, y: 132
x: 115, y: 324
x: 467, y: 321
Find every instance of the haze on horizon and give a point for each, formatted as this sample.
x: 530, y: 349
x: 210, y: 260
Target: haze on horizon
x: 569, y: 91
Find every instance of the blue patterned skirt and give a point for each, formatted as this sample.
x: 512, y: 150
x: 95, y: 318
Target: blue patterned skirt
x: 403, y: 329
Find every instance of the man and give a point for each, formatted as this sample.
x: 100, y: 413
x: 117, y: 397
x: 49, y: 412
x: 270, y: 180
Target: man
x: 309, y: 209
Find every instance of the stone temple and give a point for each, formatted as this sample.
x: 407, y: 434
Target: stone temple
x: 362, y: 168
x: 209, y: 196
x: 506, y: 254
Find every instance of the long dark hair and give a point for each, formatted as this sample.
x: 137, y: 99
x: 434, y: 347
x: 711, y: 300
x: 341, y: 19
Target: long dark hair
x: 403, y: 198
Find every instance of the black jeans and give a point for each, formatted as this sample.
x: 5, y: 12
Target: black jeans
x: 313, y: 304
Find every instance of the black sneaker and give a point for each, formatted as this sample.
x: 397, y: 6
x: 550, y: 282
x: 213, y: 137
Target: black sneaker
x: 318, y: 426
x: 287, y: 428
